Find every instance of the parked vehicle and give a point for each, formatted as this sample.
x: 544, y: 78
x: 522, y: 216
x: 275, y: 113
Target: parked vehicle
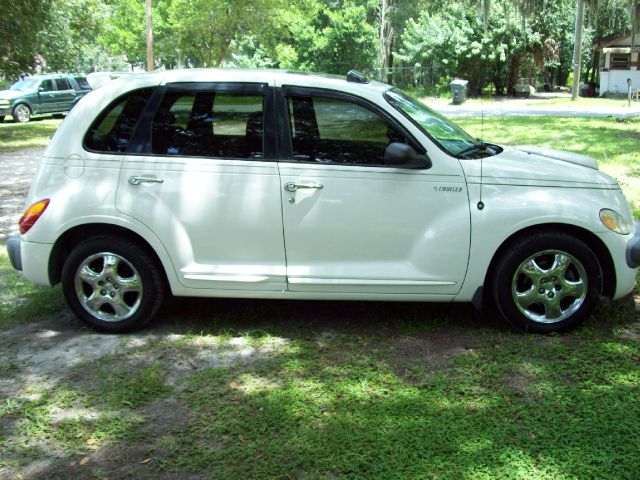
x: 269, y: 184
x: 42, y: 94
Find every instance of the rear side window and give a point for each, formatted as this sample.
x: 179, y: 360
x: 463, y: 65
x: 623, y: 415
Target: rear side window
x: 82, y: 83
x: 112, y: 129
x: 209, y: 124
x: 47, y: 85
x: 62, y: 84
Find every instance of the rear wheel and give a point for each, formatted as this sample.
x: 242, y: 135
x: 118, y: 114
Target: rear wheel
x: 112, y: 284
x: 547, y: 282
x: 21, y: 113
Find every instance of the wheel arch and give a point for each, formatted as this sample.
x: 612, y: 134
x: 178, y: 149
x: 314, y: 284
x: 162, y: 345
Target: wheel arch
x: 64, y: 244
x: 597, y: 246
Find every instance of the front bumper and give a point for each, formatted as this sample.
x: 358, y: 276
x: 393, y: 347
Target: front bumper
x: 633, y: 248
x: 5, y: 110
x: 13, y: 248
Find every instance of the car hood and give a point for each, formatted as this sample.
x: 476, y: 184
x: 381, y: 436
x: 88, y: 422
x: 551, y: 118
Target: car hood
x: 540, y: 166
x: 11, y: 94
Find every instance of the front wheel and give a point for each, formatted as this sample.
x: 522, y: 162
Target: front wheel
x: 21, y: 113
x: 112, y: 284
x: 547, y: 282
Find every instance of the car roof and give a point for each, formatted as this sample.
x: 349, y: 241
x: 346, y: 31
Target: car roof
x: 255, y: 75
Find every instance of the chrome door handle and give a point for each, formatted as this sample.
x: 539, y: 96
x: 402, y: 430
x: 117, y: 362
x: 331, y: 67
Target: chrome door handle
x: 138, y: 180
x: 292, y: 187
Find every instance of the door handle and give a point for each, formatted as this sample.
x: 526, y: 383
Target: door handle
x: 292, y: 187
x: 138, y: 180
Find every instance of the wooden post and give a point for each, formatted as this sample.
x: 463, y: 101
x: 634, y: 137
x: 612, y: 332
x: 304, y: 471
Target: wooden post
x: 149, y: 36
x: 577, y: 49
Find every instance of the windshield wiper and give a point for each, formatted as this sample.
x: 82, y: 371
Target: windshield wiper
x: 478, y: 147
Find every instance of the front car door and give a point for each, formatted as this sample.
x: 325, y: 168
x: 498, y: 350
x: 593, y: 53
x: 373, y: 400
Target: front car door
x: 201, y: 178
x: 46, y: 93
x: 354, y: 225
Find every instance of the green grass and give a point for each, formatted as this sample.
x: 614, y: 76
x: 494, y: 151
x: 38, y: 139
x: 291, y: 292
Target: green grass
x: 36, y: 133
x: 20, y: 300
x: 614, y: 144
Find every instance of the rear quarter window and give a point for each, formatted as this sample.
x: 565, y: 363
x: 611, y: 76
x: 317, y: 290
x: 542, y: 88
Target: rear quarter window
x: 82, y: 83
x: 113, y: 128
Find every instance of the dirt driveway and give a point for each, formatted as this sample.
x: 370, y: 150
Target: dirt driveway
x: 16, y: 171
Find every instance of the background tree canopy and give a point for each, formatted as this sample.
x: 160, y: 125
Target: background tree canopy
x: 490, y: 43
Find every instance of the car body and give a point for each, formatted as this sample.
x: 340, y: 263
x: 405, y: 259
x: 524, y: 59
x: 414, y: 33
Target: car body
x: 270, y: 184
x: 42, y: 94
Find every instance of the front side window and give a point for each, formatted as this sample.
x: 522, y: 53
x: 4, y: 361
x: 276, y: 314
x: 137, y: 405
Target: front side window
x: 47, y: 86
x: 451, y: 138
x: 331, y: 130
x: 209, y: 124
x: 112, y: 130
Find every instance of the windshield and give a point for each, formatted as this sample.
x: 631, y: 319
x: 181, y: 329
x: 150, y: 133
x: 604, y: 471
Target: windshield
x: 25, y: 84
x: 451, y: 138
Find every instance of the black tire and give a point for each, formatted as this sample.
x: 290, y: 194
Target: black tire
x: 1, y: 118
x: 124, y: 280
x: 547, y: 282
x: 21, y: 113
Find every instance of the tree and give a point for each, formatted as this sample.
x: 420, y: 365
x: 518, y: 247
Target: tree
x: 20, y: 23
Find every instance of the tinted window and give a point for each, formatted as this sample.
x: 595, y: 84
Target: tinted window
x: 209, y: 124
x: 112, y: 130
x: 331, y: 130
x: 46, y: 85
x: 82, y: 83
x: 63, y: 84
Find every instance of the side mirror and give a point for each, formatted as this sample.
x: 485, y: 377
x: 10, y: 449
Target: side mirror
x: 401, y: 155
x: 40, y: 89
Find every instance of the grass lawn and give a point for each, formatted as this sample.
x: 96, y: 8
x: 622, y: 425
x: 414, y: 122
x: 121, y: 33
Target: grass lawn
x: 36, y: 133
x: 239, y: 389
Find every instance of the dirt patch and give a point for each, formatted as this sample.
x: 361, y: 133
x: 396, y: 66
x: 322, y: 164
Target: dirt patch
x: 16, y: 171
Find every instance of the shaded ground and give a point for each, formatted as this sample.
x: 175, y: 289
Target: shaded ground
x: 16, y: 171
x: 268, y: 389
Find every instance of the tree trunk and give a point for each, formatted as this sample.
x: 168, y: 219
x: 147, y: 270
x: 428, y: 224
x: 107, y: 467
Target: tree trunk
x: 577, y: 49
x: 149, y: 36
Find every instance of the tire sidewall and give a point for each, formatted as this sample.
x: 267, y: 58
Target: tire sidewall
x: 524, y: 248
x: 15, y: 117
x: 152, y: 286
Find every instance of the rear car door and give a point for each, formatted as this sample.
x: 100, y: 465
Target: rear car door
x: 201, y: 176
x: 355, y: 225
x: 65, y: 95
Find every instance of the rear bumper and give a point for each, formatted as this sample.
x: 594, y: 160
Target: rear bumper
x: 13, y: 248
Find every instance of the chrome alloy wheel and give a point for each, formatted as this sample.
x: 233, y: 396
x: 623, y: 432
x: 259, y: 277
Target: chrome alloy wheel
x: 22, y: 113
x: 549, y: 286
x: 108, y: 287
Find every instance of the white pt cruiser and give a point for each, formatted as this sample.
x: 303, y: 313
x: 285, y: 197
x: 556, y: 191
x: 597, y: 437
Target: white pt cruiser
x: 270, y: 184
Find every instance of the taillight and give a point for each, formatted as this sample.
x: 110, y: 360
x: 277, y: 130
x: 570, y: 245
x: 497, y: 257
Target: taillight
x: 32, y: 214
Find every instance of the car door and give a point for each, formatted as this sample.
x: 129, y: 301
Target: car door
x: 203, y: 179
x: 46, y: 101
x: 65, y: 95
x: 355, y: 225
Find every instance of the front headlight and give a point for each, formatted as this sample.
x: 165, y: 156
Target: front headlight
x: 615, y: 222
x: 5, y: 102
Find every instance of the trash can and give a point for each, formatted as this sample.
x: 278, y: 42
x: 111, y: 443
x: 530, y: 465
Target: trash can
x: 459, y: 90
